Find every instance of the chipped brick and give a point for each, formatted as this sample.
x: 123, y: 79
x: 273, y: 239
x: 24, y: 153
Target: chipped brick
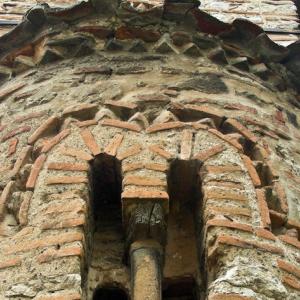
x: 288, y: 267
x: 229, y: 297
x: 186, y: 145
x: 144, y: 181
x: 222, y: 169
x: 121, y: 124
x: 144, y: 194
x: 226, y: 184
x: 241, y: 129
x: 84, y: 111
x: 77, y: 153
x: 209, y: 153
x: 263, y: 208
x: 90, y: 141
x: 23, y: 158
x: 35, y: 170
x: 11, y: 89
x: 251, y: 170
x: 225, y: 138
x: 131, y: 151
x: 55, y: 140
x: 291, y: 282
x: 66, y: 179
x: 160, y: 151
x: 86, y: 123
x: 165, y: 126
x: 24, y: 207
x: 121, y: 105
x: 6, y: 193
x: 48, y: 241
x: 230, y: 211
x: 29, y: 116
x: 68, y: 166
x: 65, y: 223
x: 13, y: 262
x: 241, y: 107
x: 15, y: 132
x: 113, y: 146
x: 50, y: 126
x: 290, y: 240
x: 229, y: 224
x: 265, y: 234
x: 281, y: 196
x: 51, y: 254
x: 224, y: 195
x: 13, y: 143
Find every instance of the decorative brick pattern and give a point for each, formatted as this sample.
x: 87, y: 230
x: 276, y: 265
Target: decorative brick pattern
x: 12, y: 146
x: 232, y: 142
x: 165, y: 126
x: 252, y: 171
x: 121, y: 124
x: 35, y: 170
x: 90, y: 141
x: 131, y: 151
x: 186, y: 145
x: 211, y: 152
x: 15, y: 132
x: 263, y: 208
x: 77, y: 153
x: 55, y: 140
x: 112, y: 147
x: 160, y: 151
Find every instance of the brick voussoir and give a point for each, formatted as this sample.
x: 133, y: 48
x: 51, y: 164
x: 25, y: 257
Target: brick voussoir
x: 231, y: 142
x: 157, y: 149
x: 263, y: 208
x: 48, y: 127
x: 114, y: 144
x: 251, y: 170
x: 35, y: 170
x: 209, y: 153
x: 90, y: 141
x: 121, y: 124
x: 131, y: 151
x: 229, y: 224
x: 143, y: 181
x: 55, y: 140
x: 291, y: 282
x: 165, y: 126
x: 77, y: 153
x: 289, y: 267
x: 144, y: 194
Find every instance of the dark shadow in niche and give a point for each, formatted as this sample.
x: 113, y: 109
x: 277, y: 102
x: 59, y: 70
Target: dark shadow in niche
x: 109, y: 293
x: 183, y: 268
x: 184, y: 289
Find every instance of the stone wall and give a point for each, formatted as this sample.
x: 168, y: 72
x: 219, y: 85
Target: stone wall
x: 204, y: 139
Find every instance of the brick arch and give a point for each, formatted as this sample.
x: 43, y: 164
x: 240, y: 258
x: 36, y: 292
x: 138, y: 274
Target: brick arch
x: 228, y: 177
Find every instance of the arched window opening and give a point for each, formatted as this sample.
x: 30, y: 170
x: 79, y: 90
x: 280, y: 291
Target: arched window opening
x: 182, y: 289
x: 109, y: 293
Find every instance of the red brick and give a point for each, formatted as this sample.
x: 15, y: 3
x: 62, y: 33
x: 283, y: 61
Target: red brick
x: 13, y: 143
x: 291, y: 282
x: 11, y: 89
x: 77, y: 153
x: 288, y: 267
x: 229, y: 297
x: 121, y: 124
x: 293, y: 224
x: 144, y: 181
x: 121, y: 105
x: 265, y: 234
x: 60, y: 296
x: 263, y: 208
x: 230, y: 211
x: 35, y: 170
x: 51, y: 254
x: 156, y: 167
x: 242, y: 130
x: 186, y: 145
x: 209, y: 153
x: 29, y: 116
x: 239, y: 242
x: 55, y: 140
x: 131, y: 151
x: 23, y: 158
x: 206, y: 112
x: 48, y: 241
x: 224, y: 195
x: 160, y: 151
x: 6, y: 193
x: 90, y: 141
x: 66, y: 179
x: 147, y: 35
x: 226, y: 184
x: 144, y: 194
x: 132, y: 167
x: 15, y: 132
x: 68, y: 166
x: 50, y: 126
x: 68, y: 205
x: 232, y: 142
x: 81, y: 111
x: 281, y: 196
x: 229, y: 224
x: 65, y: 223
x: 290, y: 240
x: 277, y: 219
x: 86, y: 123
x: 222, y: 169
x: 113, y: 146
x: 13, y: 262
x: 238, y: 106
x: 251, y: 170
x: 24, y: 207
x: 165, y: 126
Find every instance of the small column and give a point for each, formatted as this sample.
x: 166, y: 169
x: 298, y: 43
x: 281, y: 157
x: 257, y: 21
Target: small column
x: 145, y: 257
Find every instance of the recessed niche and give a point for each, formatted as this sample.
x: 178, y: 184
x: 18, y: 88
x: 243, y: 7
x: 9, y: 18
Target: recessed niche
x: 109, y: 293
